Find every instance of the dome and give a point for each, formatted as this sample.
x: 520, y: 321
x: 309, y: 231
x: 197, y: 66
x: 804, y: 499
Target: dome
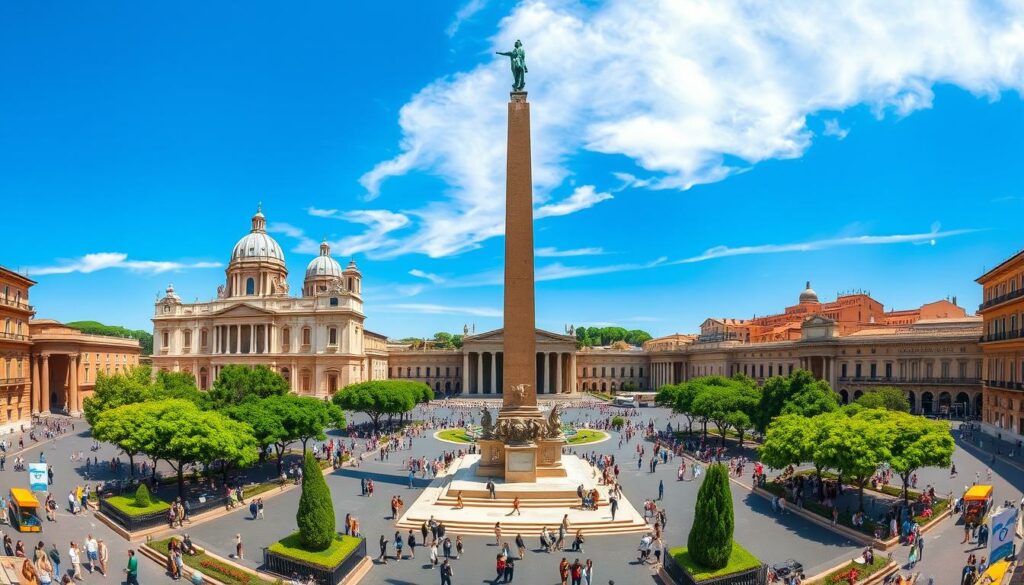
x: 257, y: 245
x: 323, y: 265
x: 808, y: 296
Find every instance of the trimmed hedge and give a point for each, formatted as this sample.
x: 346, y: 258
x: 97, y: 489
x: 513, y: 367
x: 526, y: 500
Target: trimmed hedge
x: 710, y: 541
x: 142, y: 499
x: 315, y: 516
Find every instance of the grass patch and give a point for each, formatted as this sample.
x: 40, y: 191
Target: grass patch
x: 127, y: 505
x: 740, y: 560
x: 291, y: 547
x: 601, y: 395
x: 212, y: 567
x: 455, y: 435
x: 582, y: 437
x: 841, y: 576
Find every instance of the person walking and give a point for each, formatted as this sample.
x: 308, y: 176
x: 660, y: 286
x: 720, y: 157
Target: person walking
x: 588, y: 573
x: 55, y: 559
x: 576, y: 572
x: 491, y: 490
x: 132, y: 570
x: 446, y: 571
x: 383, y: 542
x: 458, y: 547
x: 433, y: 553
x: 253, y: 508
x: 661, y: 490
x: 920, y: 547
x: 239, y: 551
x: 515, y: 507
x: 510, y: 569
x: 497, y: 534
x: 613, y: 505
x: 411, y: 541
x: 913, y: 558
x: 91, y: 552
x: 104, y: 556
x: 398, y: 546
x: 521, y: 545
x: 76, y: 561
x: 563, y: 571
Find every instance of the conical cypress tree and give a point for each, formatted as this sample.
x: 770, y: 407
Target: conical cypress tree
x: 142, y: 499
x: 710, y: 540
x: 316, y: 511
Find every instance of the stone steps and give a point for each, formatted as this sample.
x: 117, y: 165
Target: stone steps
x: 511, y: 526
x: 507, y: 503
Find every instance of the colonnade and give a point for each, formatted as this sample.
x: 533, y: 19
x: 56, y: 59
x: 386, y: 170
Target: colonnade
x: 244, y: 338
x: 663, y: 373
x: 482, y: 372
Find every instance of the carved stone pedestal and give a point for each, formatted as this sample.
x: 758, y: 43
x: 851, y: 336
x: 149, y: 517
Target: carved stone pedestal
x: 492, y: 458
x: 521, y: 463
x: 549, y: 458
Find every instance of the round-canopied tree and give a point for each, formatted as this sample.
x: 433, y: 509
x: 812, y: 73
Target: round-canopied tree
x: 710, y: 540
x: 316, y: 511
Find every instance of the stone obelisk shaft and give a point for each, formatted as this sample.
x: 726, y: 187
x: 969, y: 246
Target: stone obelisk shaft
x: 520, y: 358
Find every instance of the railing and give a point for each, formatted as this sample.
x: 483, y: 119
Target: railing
x: 13, y: 381
x: 904, y: 380
x: 1001, y: 299
x: 14, y: 336
x: 1011, y: 334
x: 755, y: 576
x: 289, y: 568
x: 16, y: 304
x: 135, y: 523
x: 1004, y: 384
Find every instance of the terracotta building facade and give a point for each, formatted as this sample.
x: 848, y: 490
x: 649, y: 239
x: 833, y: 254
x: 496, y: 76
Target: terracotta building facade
x: 1002, y: 342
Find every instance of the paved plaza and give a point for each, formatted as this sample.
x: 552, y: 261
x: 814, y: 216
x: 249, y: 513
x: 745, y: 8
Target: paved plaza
x: 767, y: 535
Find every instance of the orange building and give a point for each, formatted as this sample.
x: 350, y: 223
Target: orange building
x: 1002, y: 344
x: 46, y: 366
x: 851, y: 312
x: 15, y: 348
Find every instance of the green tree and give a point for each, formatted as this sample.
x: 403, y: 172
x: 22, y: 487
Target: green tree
x: 306, y: 418
x: 799, y: 393
x: 725, y: 402
x: 129, y: 427
x: 594, y: 336
x: 315, y: 516
x: 266, y: 419
x: 237, y: 383
x: 183, y: 434
x: 142, y: 499
x: 792, y: 439
x: 917, y: 442
x: 110, y: 391
x: 710, y: 539
x: 377, y: 398
x: 887, y: 397
x: 855, y: 446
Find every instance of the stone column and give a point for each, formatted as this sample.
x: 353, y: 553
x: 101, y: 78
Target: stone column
x: 480, y: 372
x: 545, y: 384
x: 572, y: 372
x: 36, y: 395
x: 465, y: 371
x: 45, y: 389
x: 520, y: 335
x: 558, y: 373
x: 74, y: 407
x: 252, y: 338
x: 494, y: 372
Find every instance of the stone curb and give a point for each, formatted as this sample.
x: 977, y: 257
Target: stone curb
x: 878, y: 577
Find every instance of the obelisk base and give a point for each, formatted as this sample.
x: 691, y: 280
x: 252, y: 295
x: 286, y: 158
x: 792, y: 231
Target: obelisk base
x: 492, y: 458
x: 521, y: 463
x: 549, y: 452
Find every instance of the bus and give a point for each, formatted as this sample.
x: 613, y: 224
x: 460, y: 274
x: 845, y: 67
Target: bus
x: 626, y: 401
x: 23, y: 511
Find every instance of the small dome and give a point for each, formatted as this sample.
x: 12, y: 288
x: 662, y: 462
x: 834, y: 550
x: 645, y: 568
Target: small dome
x: 323, y: 265
x: 351, y: 266
x: 808, y: 296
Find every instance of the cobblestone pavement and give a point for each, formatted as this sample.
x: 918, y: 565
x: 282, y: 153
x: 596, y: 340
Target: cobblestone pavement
x: 770, y: 537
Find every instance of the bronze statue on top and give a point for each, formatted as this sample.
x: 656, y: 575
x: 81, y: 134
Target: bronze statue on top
x: 519, y: 70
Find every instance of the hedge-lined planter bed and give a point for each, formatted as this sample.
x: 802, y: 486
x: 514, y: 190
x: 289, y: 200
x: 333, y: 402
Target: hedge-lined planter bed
x: 743, y: 569
x: 211, y: 566
x: 287, y: 559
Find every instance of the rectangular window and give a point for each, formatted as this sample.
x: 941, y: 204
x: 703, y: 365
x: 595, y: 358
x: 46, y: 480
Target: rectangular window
x: 641, y: 372
x: 761, y: 370
x: 874, y: 370
x: 305, y: 336
x: 417, y: 371
x: 888, y: 370
x: 856, y: 371
x: 428, y: 371
x: 790, y: 369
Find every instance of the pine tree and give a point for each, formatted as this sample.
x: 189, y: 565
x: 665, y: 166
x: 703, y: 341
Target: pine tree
x: 710, y: 540
x: 142, y: 499
x: 316, y: 511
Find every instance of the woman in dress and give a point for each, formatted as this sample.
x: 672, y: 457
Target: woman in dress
x: 563, y: 571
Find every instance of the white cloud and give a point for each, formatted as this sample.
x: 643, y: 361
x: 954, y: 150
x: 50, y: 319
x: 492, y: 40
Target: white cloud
x: 104, y: 260
x: 379, y: 225
x: 583, y: 197
x: 426, y: 275
x: 434, y: 309
x: 724, y: 251
x: 690, y: 91
x: 305, y: 245
x: 464, y: 13
x: 559, y: 271
x: 832, y: 128
x: 551, y: 252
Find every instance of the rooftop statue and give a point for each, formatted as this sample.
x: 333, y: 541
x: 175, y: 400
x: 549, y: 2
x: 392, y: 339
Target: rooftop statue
x: 519, y: 70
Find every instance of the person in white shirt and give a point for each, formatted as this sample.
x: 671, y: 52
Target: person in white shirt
x: 92, y: 552
x: 76, y: 561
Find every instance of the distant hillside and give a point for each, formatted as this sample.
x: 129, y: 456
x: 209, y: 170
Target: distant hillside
x: 97, y: 328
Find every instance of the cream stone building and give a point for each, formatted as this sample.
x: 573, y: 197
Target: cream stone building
x: 315, y: 340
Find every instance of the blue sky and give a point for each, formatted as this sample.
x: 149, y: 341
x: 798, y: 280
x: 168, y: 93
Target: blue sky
x: 690, y: 160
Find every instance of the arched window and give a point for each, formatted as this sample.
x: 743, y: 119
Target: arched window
x: 250, y: 286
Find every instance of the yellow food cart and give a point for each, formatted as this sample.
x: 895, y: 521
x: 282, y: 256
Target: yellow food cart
x: 24, y: 508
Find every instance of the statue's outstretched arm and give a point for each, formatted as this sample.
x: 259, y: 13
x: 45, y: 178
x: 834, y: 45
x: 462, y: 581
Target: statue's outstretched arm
x: 509, y: 54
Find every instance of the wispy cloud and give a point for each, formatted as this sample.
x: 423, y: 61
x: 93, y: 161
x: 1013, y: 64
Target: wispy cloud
x: 377, y: 235
x: 464, y: 13
x: 552, y: 252
x: 582, y: 198
x: 813, y: 245
x: 559, y: 271
x: 832, y: 128
x: 305, y: 244
x: 746, y: 77
x: 434, y: 309
x: 426, y: 275
x: 106, y: 260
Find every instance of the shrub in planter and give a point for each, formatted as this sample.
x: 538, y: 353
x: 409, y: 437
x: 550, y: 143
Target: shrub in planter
x: 710, y: 540
x: 618, y: 422
x: 142, y: 499
x: 316, y: 511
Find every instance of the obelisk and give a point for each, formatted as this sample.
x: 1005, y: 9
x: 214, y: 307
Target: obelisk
x: 520, y: 348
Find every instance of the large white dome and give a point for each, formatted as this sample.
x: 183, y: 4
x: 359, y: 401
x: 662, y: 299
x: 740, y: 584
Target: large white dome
x: 323, y: 266
x: 257, y: 246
